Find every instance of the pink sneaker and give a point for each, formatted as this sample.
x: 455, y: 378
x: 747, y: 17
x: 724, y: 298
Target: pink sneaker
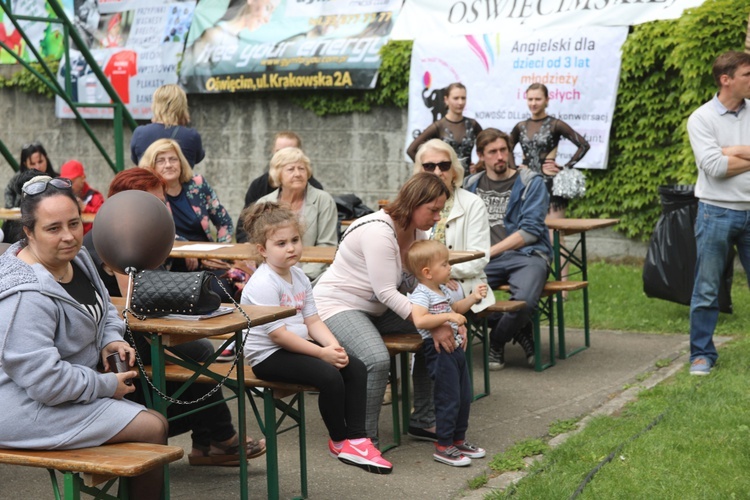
x: 332, y: 449
x: 363, y: 454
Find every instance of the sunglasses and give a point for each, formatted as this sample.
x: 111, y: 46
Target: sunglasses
x: 444, y: 166
x: 31, y: 145
x: 37, y: 187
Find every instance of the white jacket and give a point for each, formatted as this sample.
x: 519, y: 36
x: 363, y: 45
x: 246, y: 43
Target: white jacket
x: 468, y: 228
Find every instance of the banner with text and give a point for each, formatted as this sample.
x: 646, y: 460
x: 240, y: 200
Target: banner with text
x: 421, y: 18
x: 286, y: 44
x: 580, y: 70
x: 137, y: 50
x: 47, y: 38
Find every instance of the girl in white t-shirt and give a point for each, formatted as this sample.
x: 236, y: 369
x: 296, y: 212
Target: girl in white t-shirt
x: 282, y: 351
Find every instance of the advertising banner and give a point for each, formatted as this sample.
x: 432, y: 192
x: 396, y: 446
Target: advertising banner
x: 137, y: 49
x: 464, y: 17
x: 580, y: 69
x: 241, y: 46
x: 47, y: 38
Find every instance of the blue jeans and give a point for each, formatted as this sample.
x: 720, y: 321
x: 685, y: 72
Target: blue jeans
x: 450, y: 374
x: 716, y: 231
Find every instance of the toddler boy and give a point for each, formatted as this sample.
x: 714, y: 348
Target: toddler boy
x: 432, y: 307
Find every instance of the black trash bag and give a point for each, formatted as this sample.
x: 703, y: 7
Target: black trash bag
x: 350, y: 207
x: 669, y: 270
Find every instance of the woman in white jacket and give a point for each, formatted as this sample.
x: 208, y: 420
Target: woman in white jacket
x: 464, y: 223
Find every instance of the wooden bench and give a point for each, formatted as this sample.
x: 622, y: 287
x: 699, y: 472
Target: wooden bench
x: 546, y: 311
x: 86, y: 468
x: 476, y: 327
x: 400, y: 345
x: 271, y: 427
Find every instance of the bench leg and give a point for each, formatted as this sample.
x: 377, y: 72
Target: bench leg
x: 73, y: 486
x: 272, y: 453
x: 271, y: 428
x: 477, y: 327
x: 544, y: 308
x: 395, y: 410
x: 405, y: 390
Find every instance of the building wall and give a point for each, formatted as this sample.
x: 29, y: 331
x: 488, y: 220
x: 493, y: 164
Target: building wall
x: 358, y: 153
x: 361, y: 153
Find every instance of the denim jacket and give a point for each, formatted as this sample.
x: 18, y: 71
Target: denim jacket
x: 526, y: 211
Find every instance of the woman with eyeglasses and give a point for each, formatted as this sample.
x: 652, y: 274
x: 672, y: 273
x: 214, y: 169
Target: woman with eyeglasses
x: 33, y: 157
x: 193, y: 203
x: 455, y: 129
x: 291, y: 171
x: 464, y: 223
x: 58, y: 328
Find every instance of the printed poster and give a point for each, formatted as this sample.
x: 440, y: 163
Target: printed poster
x: 47, y: 38
x: 238, y: 46
x: 137, y: 49
x: 580, y: 69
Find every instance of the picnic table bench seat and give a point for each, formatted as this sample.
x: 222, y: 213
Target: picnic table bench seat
x: 84, y: 469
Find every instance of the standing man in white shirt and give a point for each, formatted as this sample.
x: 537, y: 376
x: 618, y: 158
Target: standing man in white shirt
x: 719, y: 134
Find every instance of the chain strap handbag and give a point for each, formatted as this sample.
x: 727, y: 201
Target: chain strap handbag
x: 157, y: 293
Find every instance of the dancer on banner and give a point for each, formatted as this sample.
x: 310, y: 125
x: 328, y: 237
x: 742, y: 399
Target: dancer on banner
x: 454, y: 128
x: 539, y: 137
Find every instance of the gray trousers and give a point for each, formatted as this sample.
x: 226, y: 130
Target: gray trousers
x: 526, y: 275
x: 360, y: 334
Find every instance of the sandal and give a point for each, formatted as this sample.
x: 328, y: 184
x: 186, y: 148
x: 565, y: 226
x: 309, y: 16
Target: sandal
x: 229, y: 456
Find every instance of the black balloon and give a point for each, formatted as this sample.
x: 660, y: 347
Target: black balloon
x: 133, y: 229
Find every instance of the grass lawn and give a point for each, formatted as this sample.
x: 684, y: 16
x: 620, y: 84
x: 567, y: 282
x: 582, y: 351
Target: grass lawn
x: 697, y: 446
x: 686, y: 438
x: 617, y: 302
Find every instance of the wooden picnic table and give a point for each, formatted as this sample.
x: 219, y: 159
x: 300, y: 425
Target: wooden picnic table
x: 246, y: 251
x: 165, y: 332
x: 565, y: 254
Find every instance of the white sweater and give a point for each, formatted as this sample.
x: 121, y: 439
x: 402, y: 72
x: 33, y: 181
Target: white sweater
x: 709, y: 131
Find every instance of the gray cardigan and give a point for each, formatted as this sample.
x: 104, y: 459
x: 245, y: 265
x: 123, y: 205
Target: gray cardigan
x: 52, y: 393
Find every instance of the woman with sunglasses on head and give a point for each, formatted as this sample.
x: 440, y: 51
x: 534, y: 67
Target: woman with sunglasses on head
x: 454, y: 128
x: 464, y: 223
x: 58, y: 327
x: 33, y: 157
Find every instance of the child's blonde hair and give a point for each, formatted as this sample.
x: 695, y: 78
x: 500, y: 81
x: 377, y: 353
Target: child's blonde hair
x: 262, y: 218
x: 422, y: 254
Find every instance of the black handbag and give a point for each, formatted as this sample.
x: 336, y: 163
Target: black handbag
x: 157, y: 293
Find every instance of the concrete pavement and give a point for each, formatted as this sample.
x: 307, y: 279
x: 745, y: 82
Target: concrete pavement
x: 522, y: 405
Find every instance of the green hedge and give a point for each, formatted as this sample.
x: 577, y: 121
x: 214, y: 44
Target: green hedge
x: 666, y: 74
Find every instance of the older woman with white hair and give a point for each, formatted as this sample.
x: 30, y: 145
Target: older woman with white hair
x: 464, y: 223
x: 290, y: 170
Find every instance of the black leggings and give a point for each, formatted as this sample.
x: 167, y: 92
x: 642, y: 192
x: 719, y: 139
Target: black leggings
x: 342, y: 392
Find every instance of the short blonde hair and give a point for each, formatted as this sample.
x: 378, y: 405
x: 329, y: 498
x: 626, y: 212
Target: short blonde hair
x: 442, y: 147
x: 148, y: 160
x: 422, y: 254
x: 284, y: 157
x: 169, y: 106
